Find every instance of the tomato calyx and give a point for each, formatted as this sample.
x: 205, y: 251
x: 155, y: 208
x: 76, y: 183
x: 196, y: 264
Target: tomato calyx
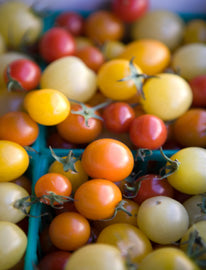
x: 137, y: 78
x: 202, y: 205
x: 172, y: 167
x: 12, y: 84
x: 143, y: 153
x: 54, y: 200
x: 68, y: 162
x: 88, y: 112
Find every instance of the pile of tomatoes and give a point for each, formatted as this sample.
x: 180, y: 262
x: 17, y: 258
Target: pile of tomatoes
x: 102, y: 126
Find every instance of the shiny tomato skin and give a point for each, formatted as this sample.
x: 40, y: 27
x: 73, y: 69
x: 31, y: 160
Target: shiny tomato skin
x: 148, y: 131
x: 198, y: 87
x: 71, y: 21
x: 96, y: 199
x: 52, y: 182
x: 118, y: 117
x: 129, y: 11
x: 75, y: 130
x: 25, y: 71
x: 151, y: 186
x: 108, y: 159
x: 56, y: 43
x: 54, y: 261
x: 69, y: 231
x: 18, y: 127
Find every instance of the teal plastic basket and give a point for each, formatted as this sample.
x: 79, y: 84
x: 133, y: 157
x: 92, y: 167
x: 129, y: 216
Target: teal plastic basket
x: 41, y: 161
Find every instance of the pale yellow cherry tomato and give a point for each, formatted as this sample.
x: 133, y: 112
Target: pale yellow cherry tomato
x: 167, y: 96
x: 14, y: 160
x: 13, y: 243
x: 110, y: 74
x: 112, y: 48
x: 47, y: 106
x: 72, y: 77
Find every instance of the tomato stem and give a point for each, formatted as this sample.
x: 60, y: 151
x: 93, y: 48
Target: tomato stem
x: 12, y: 84
x: 53, y: 198
x: 143, y: 153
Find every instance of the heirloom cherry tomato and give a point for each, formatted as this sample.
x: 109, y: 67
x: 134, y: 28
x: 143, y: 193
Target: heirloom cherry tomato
x: 131, y: 10
x: 24, y: 72
x: 102, y: 26
x: 118, y: 117
x: 112, y: 48
x: 55, y: 260
x: 152, y: 56
x: 18, y: 127
x: 96, y: 256
x: 161, y: 96
x: 148, y: 131
x: 198, y: 86
x: 109, y: 159
x: 163, y: 219
x: 71, y: 21
x: 56, y: 43
x: 47, y: 106
x: 14, y: 160
x: 52, y: 184
x: 69, y: 231
x: 13, y: 243
x: 116, y: 80
x: 97, y: 199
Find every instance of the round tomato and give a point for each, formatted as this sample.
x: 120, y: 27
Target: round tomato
x: 109, y: 159
x: 129, y: 11
x: 161, y: 96
x: 118, y: 117
x: 155, y: 220
x: 102, y: 25
x: 96, y: 256
x: 56, y: 43
x: 112, y: 48
x: 72, y: 77
x: 152, y: 56
x: 55, y: 260
x: 198, y: 86
x: 24, y: 182
x: 69, y: 231
x: 51, y: 184
x: 14, y: 160
x: 195, y: 31
x: 47, y: 106
x: 148, y: 131
x: 22, y: 74
x: 97, y: 199
x: 132, y: 242
x: 18, y: 127
x: 13, y: 243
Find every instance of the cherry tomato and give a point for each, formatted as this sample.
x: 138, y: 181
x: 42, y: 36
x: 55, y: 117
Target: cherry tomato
x: 96, y: 256
x: 71, y: 21
x: 14, y: 160
x: 91, y: 56
x: 24, y: 182
x: 54, y: 183
x: 56, y: 43
x: 154, y: 218
x: 129, y: 11
x: 152, y: 56
x: 195, y: 31
x: 118, y: 117
x: 150, y: 186
x: 148, y: 131
x: 167, y: 258
x: 109, y: 159
x: 75, y: 129
x: 103, y: 25
x: 25, y: 72
x: 69, y: 231
x: 54, y: 261
x: 112, y: 48
x: 18, y: 127
x: 198, y: 86
x: 132, y: 242
x: 47, y: 106
x: 97, y: 199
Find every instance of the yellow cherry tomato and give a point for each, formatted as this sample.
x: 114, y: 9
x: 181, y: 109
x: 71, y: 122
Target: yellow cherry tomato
x: 47, y: 106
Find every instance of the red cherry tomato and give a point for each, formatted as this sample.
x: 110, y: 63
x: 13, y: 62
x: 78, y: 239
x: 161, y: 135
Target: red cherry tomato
x: 26, y: 72
x: 198, y: 86
x: 71, y: 21
x: 129, y: 10
x: 118, y: 117
x: 55, y: 260
x: 148, y: 131
x: 150, y: 186
x: 56, y: 43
